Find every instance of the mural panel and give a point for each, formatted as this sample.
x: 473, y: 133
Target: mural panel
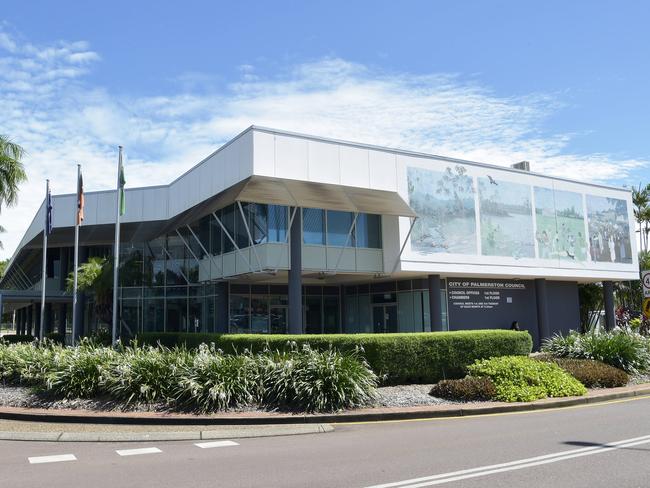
x: 560, y: 225
x: 506, y: 218
x: 444, y: 202
x: 609, y: 230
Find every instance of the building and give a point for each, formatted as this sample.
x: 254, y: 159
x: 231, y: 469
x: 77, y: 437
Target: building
x: 279, y: 232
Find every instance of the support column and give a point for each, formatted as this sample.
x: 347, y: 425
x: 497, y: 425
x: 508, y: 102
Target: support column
x: 543, y: 326
x: 435, y: 303
x: 29, y: 329
x: 295, y: 275
x: 63, y: 318
x: 608, y: 295
x: 47, y: 323
x: 21, y: 321
x: 37, y: 320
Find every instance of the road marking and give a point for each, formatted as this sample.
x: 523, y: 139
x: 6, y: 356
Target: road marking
x: 51, y: 459
x: 208, y: 445
x: 136, y: 452
x: 499, y: 414
x: 464, y: 474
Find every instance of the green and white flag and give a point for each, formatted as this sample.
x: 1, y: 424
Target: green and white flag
x: 122, y: 182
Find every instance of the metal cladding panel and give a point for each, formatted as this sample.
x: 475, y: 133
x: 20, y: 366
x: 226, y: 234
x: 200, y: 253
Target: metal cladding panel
x: 324, y: 164
x: 354, y: 167
x: 246, y: 155
x: 106, y: 208
x: 291, y: 158
x: 231, y: 164
x: 134, y: 206
x: 64, y: 210
x: 383, y: 170
x: 263, y: 153
x: 155, y: 204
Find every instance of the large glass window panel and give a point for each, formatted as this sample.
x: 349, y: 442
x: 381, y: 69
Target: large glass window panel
x: 258, y: 222
x: 426, y: 314
x: 154, y: 314
x: 352, y: 315
x: 338, y: 228
x: 365, y: 314
x: 259, y: 314
x: 277, y: 223
x: 405, y: 312
x: 239, y: 314
x: 241, y: 232
x: 368, y: 231
x: 418, y: 317
x: 228, y: 220
x: 313, y: 314
x: 175, y: 269
x: 331, y: 315
x: 176, y: 315
x: 203, y: 233
x: 154, y: 266
x: 313, y: 226
x: 215, y: 235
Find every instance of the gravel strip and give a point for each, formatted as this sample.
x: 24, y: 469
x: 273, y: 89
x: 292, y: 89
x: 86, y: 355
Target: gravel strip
x: 407, y: 396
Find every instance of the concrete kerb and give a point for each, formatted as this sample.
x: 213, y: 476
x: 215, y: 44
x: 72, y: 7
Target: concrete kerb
x: 276, y: 424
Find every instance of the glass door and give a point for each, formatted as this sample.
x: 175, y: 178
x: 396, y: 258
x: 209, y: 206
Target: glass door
x: 384, y: 318
x: 278, y: 320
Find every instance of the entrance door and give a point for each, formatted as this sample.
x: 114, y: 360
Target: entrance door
x: 384, y: 318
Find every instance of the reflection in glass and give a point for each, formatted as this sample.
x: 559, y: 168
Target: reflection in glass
x: 239, y: 314
x: 339, y: 225
x: 313, y: 226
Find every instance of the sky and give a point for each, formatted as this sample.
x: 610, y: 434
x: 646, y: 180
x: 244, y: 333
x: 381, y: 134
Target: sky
x: 563, y: 85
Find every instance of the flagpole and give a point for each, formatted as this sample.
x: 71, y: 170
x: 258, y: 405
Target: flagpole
x: 76, y: 263
x: 116, y: 257
x: 44, y: 274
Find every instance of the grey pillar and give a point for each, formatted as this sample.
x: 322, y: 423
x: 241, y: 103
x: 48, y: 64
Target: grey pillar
x: 63, y: 318
x: 608, y: 295
x: 21, y: 321
x: 1, y: 308
x: 47, y: 323
x: 65, y: 262
x: 543, y: 325
x: 37, y: 320
x: 29, y: 330
x: 295, y: 275
x: 435, y: 304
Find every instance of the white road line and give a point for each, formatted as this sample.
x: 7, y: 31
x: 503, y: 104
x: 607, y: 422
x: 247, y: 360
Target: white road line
x: 51, y: 459
x: 136, y: 452
x: 208, y: 445
x: 514, y: 465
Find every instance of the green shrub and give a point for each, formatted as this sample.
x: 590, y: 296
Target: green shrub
x: 314, y: 380
x: 589, y: 372
x: 523, y: 379
x: 468, y: 389
x: 622, y: 349
x: 396, y: 358
x: 16, y: 338
x: 78, y: 372
x: 145, y: 374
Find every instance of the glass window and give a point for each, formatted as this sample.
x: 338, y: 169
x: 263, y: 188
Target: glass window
x: 215, y: 235
x: 368, y: 231
x: 176, y: 315
x: 259, y: 315
x: 331, y: 315
x: 241, y: 233
x: 313, y: 314
x: 154, y: 314
x: 258, y: 222
x: 277, y: 220
x: 365, y: 314
x: 228, y: 220
x: 313, y: 226
x: 352, y: 315
x: 405, y: 312
x: 338, y: 228
x: 239, y: 314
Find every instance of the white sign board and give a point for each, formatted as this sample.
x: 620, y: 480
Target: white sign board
x: 645, y: 279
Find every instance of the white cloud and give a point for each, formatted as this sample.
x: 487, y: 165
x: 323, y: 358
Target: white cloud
x: 61, y: 120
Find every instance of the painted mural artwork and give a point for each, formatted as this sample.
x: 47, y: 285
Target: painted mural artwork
x: 444, y: 202
x: 506, y: 218
x: 609, y: 230
x: 560, y: 225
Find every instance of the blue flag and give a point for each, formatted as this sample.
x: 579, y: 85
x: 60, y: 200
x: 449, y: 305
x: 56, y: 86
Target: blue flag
x: 48, y: 212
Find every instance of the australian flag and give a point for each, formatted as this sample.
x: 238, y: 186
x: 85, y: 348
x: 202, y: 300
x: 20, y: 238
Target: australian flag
x: 48, y: 212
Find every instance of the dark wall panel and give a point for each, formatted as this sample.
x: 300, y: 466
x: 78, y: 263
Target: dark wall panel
x: 563, y: 306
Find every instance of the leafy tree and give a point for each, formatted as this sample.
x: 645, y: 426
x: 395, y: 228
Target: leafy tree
x: 3, y: 267
x: 12, y: 173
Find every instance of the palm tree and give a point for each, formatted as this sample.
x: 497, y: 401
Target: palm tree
x: 12, y: 172
x: 641, y: 203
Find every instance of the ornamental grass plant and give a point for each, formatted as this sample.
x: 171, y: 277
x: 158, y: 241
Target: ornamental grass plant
x: 204, y: 380
x: 620, y: 348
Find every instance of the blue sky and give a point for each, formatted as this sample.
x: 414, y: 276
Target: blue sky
x: 562, y: 84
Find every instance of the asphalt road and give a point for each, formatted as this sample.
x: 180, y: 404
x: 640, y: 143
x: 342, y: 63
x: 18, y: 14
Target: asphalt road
x: 592, y: 446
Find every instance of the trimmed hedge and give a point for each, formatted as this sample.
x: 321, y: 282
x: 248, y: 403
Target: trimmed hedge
x: 396, y: 358
x: 16, y: 339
